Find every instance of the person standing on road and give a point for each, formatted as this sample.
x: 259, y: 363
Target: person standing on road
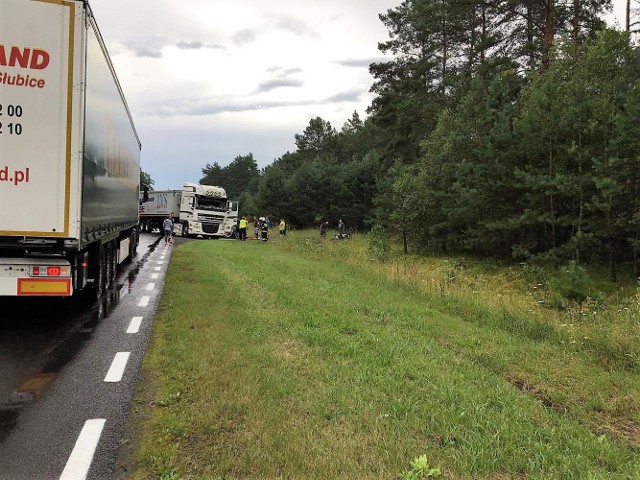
x: 167, y: 226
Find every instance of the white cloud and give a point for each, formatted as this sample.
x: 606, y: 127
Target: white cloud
x: 207, y: 81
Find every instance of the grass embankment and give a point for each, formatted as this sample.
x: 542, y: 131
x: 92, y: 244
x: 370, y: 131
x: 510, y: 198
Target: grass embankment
x: 300, y: 359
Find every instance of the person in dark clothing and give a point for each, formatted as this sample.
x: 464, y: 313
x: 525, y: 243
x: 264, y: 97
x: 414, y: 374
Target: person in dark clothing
x: 324, y: 226
x: 256, y: 228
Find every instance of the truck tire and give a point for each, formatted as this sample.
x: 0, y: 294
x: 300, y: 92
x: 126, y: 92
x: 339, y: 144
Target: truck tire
x: 113, y: 263
x: 185, y: 230
x: 98, y: 275
x: 107, y: 265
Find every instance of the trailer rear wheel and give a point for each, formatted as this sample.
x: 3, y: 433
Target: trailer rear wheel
x: 99, y: 273
x: 112, y: 266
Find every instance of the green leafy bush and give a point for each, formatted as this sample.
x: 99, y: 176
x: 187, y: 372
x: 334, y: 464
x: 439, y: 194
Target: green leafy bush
x: 379, y: 246
x: 572, y: 283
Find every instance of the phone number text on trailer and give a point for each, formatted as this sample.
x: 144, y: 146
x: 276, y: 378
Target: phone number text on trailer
x: 10, y: 111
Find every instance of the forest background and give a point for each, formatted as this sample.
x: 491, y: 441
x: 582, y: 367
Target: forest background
x: 501, y: 128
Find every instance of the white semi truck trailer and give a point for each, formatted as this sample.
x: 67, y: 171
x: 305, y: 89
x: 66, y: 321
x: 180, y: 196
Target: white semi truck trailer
x: 69, y: 153
x: 196, y: 210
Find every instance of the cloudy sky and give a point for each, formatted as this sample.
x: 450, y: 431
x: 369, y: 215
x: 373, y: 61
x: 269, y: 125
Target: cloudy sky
x: 207, y: 80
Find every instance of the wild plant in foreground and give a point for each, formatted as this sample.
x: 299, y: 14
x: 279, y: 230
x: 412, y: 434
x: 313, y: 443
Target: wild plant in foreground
x: 420, y: 469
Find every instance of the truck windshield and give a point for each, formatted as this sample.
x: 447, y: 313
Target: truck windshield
x: 214, y: 204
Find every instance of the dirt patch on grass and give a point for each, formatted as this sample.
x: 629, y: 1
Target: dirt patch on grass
x: 287, y: 348
x: 526, y: 387
x: 619, y: 429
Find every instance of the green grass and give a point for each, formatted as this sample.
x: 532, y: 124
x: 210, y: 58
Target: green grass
x: 301, y: 359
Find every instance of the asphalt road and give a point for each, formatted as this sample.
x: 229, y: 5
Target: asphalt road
x: 68, y: 370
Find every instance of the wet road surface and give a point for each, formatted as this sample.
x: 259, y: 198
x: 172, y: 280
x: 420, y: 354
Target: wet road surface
x: 59, y: 361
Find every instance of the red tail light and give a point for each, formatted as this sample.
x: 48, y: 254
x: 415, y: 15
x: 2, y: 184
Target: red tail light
x: 50, y: 271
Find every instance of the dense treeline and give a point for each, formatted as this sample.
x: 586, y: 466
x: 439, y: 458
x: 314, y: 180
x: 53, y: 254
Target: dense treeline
x: 499, y: 127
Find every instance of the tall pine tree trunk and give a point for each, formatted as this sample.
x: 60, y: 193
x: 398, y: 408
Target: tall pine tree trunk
x: 576, y: 28
x: 636, y: 266
x: 530, y: 25
x: 483, y: 40
x: 548, y: 33
x: 628, y: 16
x: 405, y: 241
x: 552, y: 212
x: 612, y: 260
x: 445, y: 52
x: 581, y: 198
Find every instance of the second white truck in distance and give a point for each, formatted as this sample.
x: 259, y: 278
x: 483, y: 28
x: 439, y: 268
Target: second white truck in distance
x: 195, y: 210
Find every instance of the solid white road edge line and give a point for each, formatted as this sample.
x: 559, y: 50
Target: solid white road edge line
x: 134, y: 326
x: 81, y: 457
x: 144, y: 301
x: 118, y: 365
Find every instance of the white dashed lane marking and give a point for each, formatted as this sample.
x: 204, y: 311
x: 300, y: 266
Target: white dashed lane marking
x: 144, y: 301
x: 134, y: 326
x: 79, y: 462
x: 117, y: 368
x: 155, y: 275
x: 82, y: 455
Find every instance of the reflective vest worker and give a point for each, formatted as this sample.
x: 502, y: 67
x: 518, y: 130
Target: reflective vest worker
x: 243, y: 228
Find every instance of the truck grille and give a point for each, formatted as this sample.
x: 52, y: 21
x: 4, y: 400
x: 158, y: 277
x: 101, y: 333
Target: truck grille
x: 210, y: 227
x: 210, y: 223
x: 204, y: 218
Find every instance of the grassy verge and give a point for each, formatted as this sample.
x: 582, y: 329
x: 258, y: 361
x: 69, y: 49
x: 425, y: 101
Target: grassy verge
x: 300, y: 359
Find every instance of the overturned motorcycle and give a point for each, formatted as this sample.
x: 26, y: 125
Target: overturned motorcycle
x: 341, y: 236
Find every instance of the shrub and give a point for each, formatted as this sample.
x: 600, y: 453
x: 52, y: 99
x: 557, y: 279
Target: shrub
x: 572, y: 283
x: 379, y: 246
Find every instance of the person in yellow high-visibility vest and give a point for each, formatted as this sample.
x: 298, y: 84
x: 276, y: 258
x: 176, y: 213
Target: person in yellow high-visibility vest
x: 243, y: 229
